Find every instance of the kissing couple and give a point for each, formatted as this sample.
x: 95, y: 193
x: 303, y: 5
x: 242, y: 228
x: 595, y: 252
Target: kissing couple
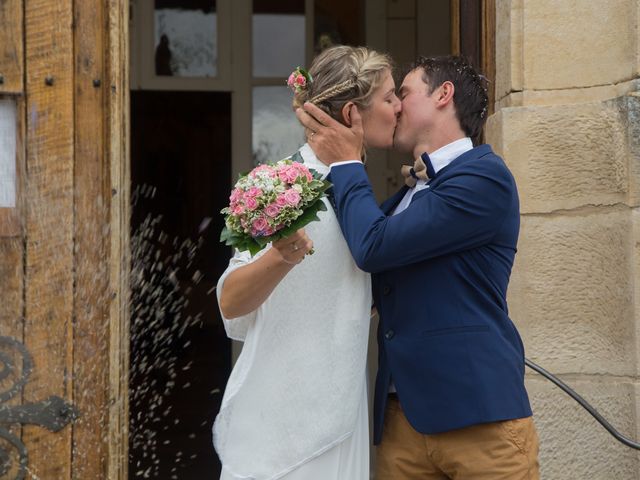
x: 435, y: 260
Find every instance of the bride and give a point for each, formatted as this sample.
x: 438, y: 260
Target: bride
x: 295, y: 405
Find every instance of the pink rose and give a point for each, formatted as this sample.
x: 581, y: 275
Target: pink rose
x: 262, y: 169
x: 288, y: 174
x: 296, y: 81
x: 292, y: 197
x: 259, y: 224
x: 291, y: 80
x: 301, y: 171
x: 236, y: 195
x: 251, y: 203
x: 281, y: 201
x: 272, y: 210
x: 238, y: 209
x: 304, y: 171
x: 253, y: 192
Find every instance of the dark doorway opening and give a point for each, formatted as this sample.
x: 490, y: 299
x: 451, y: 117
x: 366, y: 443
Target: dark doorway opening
x: 180, y: 355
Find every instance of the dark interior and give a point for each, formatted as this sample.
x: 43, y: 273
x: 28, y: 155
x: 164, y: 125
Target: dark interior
x: 180, y: 355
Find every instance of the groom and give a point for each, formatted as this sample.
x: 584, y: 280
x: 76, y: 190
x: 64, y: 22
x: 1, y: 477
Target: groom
x: 450, y: 400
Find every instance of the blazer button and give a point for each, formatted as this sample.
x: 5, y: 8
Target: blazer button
x: 389, y: 334
x: 386, y: 290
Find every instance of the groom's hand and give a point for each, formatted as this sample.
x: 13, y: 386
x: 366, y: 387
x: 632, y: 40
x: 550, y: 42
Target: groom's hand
x: 331, y: 141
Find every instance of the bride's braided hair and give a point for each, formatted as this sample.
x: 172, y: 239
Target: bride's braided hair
x: 344, y: 74
x: 333, y: 91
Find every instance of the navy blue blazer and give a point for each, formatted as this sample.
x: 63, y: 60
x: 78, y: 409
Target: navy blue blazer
x: 440, y: 274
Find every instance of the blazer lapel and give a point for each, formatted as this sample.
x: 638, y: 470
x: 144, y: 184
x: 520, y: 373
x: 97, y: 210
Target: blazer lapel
x: 389, y: 204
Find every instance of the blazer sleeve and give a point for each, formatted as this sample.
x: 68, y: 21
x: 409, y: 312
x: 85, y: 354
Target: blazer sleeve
x: 463, y: 212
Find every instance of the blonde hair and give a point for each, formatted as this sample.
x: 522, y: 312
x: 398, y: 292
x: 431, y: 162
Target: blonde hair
x: 344, y: 74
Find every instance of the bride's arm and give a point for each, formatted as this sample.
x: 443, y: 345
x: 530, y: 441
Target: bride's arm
x: 246, y: 288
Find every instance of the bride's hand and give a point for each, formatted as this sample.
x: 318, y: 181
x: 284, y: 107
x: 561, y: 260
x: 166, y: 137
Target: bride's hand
x: 293, y: 248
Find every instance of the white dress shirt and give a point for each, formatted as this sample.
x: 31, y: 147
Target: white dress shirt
x: 439, y: 159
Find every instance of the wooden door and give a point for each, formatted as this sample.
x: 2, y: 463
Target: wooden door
x: 62, y: 274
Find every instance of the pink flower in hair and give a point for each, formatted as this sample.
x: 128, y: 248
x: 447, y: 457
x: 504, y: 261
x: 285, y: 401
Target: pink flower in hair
x: 299, y: 79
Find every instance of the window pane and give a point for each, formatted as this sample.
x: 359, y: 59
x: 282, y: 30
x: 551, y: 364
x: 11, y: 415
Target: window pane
x: 276, y: 130
x: 334, y: 24
x: 186, y: 38
x: 278, y: 37
x: 8, y: 153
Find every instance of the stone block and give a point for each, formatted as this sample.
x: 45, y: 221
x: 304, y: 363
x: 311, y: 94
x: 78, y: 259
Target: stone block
x: 565, y: 156
x: 575, y: 43
x: 509, y: 66
x: 631, y: 109
x: 635, y: 216
x: 637, y: 69
x: 572, y: 444
x: 572, y: 291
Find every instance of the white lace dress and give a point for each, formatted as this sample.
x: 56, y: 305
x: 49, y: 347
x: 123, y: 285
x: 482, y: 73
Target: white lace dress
x: 295, y: 405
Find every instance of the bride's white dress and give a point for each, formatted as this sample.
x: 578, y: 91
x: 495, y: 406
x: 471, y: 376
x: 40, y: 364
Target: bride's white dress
x: 295, y: 405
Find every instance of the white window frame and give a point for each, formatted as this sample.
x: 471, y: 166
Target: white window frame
x: 143, y: 76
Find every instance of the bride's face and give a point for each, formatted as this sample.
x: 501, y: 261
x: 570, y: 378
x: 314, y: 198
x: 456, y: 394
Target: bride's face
x: 380, y: 117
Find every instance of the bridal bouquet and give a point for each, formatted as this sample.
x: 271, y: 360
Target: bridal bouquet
x: 272, y: 201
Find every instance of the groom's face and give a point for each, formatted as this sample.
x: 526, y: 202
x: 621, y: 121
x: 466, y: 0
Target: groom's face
x: 417, y: 112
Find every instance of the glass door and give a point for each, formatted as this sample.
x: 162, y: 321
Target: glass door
x: 181, y: 44
x: 287, y: 34
x: 279, y: 44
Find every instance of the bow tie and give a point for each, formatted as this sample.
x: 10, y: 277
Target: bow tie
x: 421, y: 170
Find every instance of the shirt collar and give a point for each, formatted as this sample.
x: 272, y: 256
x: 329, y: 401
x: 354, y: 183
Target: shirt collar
x: 447, y: 154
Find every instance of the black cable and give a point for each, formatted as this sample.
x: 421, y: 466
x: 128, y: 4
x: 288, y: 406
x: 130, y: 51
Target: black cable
x: 569, y: 391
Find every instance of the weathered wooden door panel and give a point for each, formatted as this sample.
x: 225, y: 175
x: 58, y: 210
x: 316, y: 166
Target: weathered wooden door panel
x: 63, y: 262
x: 48, y: 326
x: 91, y: 200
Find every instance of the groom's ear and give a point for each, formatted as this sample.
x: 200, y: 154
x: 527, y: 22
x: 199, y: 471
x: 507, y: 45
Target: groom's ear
x: 346, y: 113
x: 446, y: 92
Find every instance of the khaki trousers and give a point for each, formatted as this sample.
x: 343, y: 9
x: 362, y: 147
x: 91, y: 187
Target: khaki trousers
x: 505, y: 450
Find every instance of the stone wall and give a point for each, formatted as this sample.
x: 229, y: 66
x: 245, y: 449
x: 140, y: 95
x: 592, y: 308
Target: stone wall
x: 567, y: 123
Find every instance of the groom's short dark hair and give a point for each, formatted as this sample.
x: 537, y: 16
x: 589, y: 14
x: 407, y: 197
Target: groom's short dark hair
x: 470, y: 96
